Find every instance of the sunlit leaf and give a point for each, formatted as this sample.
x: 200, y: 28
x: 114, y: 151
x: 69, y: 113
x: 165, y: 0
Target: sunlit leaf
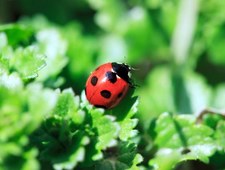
x: 181, y: 138
x: 125, y: 157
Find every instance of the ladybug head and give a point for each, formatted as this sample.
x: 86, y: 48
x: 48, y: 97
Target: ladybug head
x: 122, y: 70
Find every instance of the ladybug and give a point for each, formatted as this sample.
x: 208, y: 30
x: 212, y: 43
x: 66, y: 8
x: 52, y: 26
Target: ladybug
x: 108, y: 85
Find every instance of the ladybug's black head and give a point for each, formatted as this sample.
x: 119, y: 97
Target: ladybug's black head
x: 122, y: 70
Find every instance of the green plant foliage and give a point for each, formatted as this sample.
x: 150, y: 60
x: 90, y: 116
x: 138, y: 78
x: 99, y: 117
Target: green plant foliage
x: 105, y: 129
x: 26, y: 61
x: 51, y: 43
x: 171, y: 118
x: 17, y: 34
x: 220, y: 135
x: 182, y: 138
x: 125, y: 158
x: 157, y: 100
x: 128, y: 123
x: 24, y: 114
x: 214, y: 30
x: 79, y: 47
x: 184, y: 93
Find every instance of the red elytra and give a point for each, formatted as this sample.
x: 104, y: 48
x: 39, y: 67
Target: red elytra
x: 108, y: 85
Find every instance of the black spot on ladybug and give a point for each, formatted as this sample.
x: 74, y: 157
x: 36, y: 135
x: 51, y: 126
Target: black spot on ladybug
x: 106, y: 94
x: 94, y: 80
x: 120, y: 95
x: 111, y: 76
x: 122, y: 71
x: 100, y: 106
x: 185, y: 151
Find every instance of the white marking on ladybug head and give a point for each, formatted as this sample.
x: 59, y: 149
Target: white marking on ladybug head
x: 112, y: 70
x: 129, y: 74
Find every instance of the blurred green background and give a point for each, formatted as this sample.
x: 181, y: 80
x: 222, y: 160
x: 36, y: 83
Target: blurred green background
x: 175, y: 46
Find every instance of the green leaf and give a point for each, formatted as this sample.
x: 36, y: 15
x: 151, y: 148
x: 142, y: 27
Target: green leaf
x: 179, y: 138
x: 20, y: 116
x: 212, y: 120
x: 17, y: 34
x: 123, y: 157
x: 213, y: 31
x: 24, y: 161
x: 182, y: 92
x: 60, y: 142
x: 128, y: 123
x: 109, y: 125
x: 125, y: 114
x: 219, y: 135
x: 105, y: 128
x: 6, y: 52
x: 10, y: 83
x: 27, y: 62
x: 51, y: 43
x: 108, y: 13
x: 68, y: 106
x: 198, y: 91
x: 75, y: 154
x: 219, y: 97
x: 42, y: 101
x: 61, y: 137
x: 112, y: 48
x: 156, y: 95
x: 4, y: 40
x: 140, y: 35
x: 30, y: 156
